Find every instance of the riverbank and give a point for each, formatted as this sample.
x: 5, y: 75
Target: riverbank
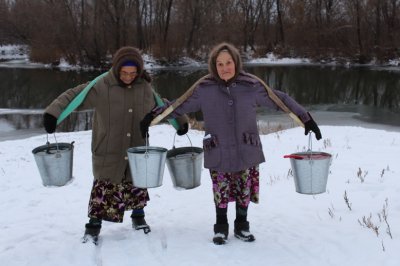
x: 17, y: 56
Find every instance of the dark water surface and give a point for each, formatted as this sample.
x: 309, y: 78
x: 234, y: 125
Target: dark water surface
x: 354, y: 95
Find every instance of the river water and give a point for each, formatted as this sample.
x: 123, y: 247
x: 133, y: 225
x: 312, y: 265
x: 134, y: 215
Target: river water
x: 360, y: 96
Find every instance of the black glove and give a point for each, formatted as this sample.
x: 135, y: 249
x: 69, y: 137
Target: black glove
x: 49, y: 123
x: 183, y: 130
x: 311, y: 125
x: 145, y: 124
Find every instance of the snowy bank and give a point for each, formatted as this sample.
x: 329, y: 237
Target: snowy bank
x: 16, y: 56
x: 43, y: 225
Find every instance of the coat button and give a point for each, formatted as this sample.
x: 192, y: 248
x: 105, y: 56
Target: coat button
x: 130, y: 110
x: 126, y: 158
x: 230, y: 102
x: 234, y: 84
x: 128, y: 134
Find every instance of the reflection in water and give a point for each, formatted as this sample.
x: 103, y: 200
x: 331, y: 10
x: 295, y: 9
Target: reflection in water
x: 334, y: 85
x: 373, y: 93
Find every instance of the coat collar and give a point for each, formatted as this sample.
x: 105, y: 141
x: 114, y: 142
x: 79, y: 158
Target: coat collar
x: 242, y: 77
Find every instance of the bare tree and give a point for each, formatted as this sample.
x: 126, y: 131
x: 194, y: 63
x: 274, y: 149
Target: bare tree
x: 280, y: 32
x: 195, y: 12
x: 139, y: 10
x: 252, y: 10
x: 87, y: 31
x: 162, y: 11
x: 390, y: 10
x: 266, y: 22
x: 356, y: 10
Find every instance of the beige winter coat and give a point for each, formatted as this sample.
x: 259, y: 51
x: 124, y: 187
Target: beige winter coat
x: 118, y: 111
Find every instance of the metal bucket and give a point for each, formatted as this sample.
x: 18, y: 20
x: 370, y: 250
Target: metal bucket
x: 184, y: 165
x: 54, y: 162
x: 310, y: 171
x: 147, y: 165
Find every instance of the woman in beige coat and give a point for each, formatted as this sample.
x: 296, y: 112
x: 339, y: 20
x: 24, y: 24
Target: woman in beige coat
x: 119, y: 99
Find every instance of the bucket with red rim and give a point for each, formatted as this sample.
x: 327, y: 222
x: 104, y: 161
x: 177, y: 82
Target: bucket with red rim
x: 310, y: 170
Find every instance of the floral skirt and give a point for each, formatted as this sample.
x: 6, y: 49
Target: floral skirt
x: 109, y: 201
x: 242, y: 187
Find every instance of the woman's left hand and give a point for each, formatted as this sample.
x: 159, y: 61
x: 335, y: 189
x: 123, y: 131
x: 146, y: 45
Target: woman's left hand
x: 183, y: 129
x: 310, y: 125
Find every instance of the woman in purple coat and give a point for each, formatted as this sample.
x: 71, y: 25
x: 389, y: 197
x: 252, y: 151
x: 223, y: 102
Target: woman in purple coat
x: 228, y: 99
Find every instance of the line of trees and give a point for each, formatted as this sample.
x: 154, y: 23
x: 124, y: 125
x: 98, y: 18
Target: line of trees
x: 88, y: 31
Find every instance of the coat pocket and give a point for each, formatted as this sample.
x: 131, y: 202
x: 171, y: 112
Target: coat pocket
x: 251, y: 139
x: 98, y: 143
x: 212, y: 152
x: 251, y: 149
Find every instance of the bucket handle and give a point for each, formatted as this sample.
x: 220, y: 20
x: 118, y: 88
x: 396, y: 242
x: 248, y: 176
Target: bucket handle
x: 297, y: 157
x: 309, y: 143
x: 173, y: 144
x: 48, y: 143
x: 310, y: 148
x: 146, y: 153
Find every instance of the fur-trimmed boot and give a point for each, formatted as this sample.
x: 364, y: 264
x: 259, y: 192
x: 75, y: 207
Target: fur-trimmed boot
x: 220, y: 234
x: 92, y: 230
x: 242, y: 231
x: 138, y: 221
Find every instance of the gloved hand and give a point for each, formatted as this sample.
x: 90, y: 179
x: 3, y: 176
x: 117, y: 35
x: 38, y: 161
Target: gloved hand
x: 310, y: 125
x: 183, y: 130
x: 158, y: 110
x: 49, y: 123
x: 145, y: 124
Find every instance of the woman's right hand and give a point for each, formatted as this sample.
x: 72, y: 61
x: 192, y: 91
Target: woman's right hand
x: 145, y: 124
x: 49, y: 123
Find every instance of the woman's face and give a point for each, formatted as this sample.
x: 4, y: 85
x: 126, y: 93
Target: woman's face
x: 128, y: 74
x: 225, y: 66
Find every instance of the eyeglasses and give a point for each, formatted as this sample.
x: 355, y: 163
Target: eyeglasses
x: 126, y: 74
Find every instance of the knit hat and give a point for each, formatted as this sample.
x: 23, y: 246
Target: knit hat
x: 129, y: 63
x: 127, y: 55
x: 212, y: 60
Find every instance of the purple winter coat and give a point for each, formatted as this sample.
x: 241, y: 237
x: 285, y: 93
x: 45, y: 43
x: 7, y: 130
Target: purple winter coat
x: 231, y: 141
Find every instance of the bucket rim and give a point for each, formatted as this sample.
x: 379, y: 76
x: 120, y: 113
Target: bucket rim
x: 144, y: 148
x: 324, y: 155
x: 176, y: 151
x: 61, y: 145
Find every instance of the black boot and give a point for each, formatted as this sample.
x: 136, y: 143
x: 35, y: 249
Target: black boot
x: 220, y: 234
x: 242, y: 231
x: 92, y: 230
x: 138, y: 221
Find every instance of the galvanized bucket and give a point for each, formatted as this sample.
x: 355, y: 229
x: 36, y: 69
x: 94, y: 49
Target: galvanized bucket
x: 147, y: 165
x: 184, y: 165
x: 310, y: 171
x: 54, y: 162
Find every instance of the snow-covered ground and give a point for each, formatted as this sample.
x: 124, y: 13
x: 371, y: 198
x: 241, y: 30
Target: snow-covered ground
x: 43, y: 225
x: 13, y: 52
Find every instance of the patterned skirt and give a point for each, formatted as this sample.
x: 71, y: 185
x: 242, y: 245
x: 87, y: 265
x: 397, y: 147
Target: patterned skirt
x: 109, y: 201
x: 242, y: 187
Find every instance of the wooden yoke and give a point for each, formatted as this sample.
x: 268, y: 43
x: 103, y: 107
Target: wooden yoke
x: 278, y: 101
x: 189, y: 92
x: 178, y: 102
